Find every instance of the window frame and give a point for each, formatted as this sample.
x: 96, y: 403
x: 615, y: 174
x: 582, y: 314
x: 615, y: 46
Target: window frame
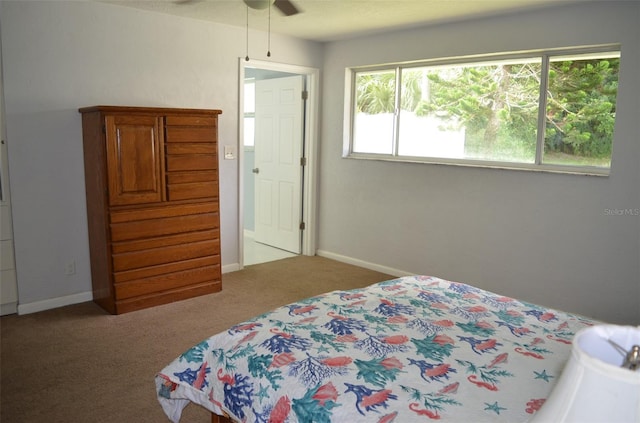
x: 545, y: 54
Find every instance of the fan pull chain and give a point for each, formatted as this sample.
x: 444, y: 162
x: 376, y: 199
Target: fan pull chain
x: 269, y: 35
x: 247, y: 56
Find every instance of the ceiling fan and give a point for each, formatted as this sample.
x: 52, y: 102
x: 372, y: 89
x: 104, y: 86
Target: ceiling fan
x: 285, y: 6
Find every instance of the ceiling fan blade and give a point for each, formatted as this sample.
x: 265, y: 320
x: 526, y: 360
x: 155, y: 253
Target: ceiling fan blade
x: 286, y: 7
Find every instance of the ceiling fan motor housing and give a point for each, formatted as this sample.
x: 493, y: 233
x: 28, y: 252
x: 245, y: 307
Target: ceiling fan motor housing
x: 259, y: 4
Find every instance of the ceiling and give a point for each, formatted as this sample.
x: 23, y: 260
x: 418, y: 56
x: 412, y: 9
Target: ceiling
x: 331, y: 20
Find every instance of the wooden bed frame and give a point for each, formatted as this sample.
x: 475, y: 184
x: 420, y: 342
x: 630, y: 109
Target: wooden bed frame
x: 220, y: 419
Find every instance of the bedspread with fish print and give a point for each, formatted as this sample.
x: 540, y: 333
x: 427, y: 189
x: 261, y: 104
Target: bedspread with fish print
x: 412, y: 349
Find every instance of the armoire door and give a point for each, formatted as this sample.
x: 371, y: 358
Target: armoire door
x: 134, y: 159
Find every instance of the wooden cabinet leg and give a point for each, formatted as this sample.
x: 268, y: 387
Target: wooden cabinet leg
x: 220, y: 419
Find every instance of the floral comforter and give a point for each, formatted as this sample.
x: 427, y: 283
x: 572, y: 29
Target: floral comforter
x: 406, y: 350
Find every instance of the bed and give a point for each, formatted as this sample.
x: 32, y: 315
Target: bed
x: 411, y: 349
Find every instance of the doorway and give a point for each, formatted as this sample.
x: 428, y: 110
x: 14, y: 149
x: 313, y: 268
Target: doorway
x: 276, y: 161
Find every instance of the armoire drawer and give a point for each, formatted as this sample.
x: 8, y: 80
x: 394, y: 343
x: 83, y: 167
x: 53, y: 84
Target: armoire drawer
x: 123, y: 216
x: 166, y: 282
x: 190, y: 134
x: 165, y: 241
x: 178, y: 266
x: 209, y: 176
x: 176, y: 120
x: 191, y: 162
x: 163, y: 226
x: 190, y: 148
x: 164, y: 297
x: 163, y: 255
x: 192, y: 190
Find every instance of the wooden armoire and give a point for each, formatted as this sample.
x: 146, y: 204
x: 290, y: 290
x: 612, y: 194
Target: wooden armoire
x: 151, y: 178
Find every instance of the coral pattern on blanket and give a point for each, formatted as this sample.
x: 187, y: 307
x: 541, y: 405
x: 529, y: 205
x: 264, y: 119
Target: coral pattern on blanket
x: 412, y: 349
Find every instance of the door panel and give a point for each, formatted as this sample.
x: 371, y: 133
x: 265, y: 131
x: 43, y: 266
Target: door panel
x: 264, y: 196
x: 286, y: 196
x: 278, y: 151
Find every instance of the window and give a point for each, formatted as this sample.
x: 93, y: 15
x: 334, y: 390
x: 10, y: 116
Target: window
x: 543, y: 110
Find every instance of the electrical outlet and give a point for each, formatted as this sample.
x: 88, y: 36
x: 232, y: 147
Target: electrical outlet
x: 70, y: 268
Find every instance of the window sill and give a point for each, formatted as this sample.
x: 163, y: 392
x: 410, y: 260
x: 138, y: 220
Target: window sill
x: 546, y: 168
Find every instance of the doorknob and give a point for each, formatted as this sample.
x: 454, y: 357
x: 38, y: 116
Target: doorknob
x: 256, y: 170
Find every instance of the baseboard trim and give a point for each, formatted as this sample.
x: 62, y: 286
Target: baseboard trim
x: 82, y: 297
x: 361, y: 263
x: 228, y: 268
x: 37, y: 306
x: 8, y: 308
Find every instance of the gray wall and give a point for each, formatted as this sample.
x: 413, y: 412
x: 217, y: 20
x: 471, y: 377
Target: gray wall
x: 543, y: 237
x: 62, y: 55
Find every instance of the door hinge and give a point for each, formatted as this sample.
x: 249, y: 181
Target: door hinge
x: 305, y: 95
x: 303, y: 161
x: 302, y: 226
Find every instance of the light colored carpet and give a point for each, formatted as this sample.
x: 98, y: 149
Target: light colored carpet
x: 80, y: 364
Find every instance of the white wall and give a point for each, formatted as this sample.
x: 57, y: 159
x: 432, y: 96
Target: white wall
x: 541, y: 237
x: 62, y: 55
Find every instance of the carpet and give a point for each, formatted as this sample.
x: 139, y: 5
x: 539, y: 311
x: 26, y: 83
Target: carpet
x: 81, y: 364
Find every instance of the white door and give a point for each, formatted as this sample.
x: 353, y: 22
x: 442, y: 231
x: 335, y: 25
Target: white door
x: 278, y: 166
x: 8, y: 281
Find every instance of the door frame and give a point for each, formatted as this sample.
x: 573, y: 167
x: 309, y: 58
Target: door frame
x: 310, y: 150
